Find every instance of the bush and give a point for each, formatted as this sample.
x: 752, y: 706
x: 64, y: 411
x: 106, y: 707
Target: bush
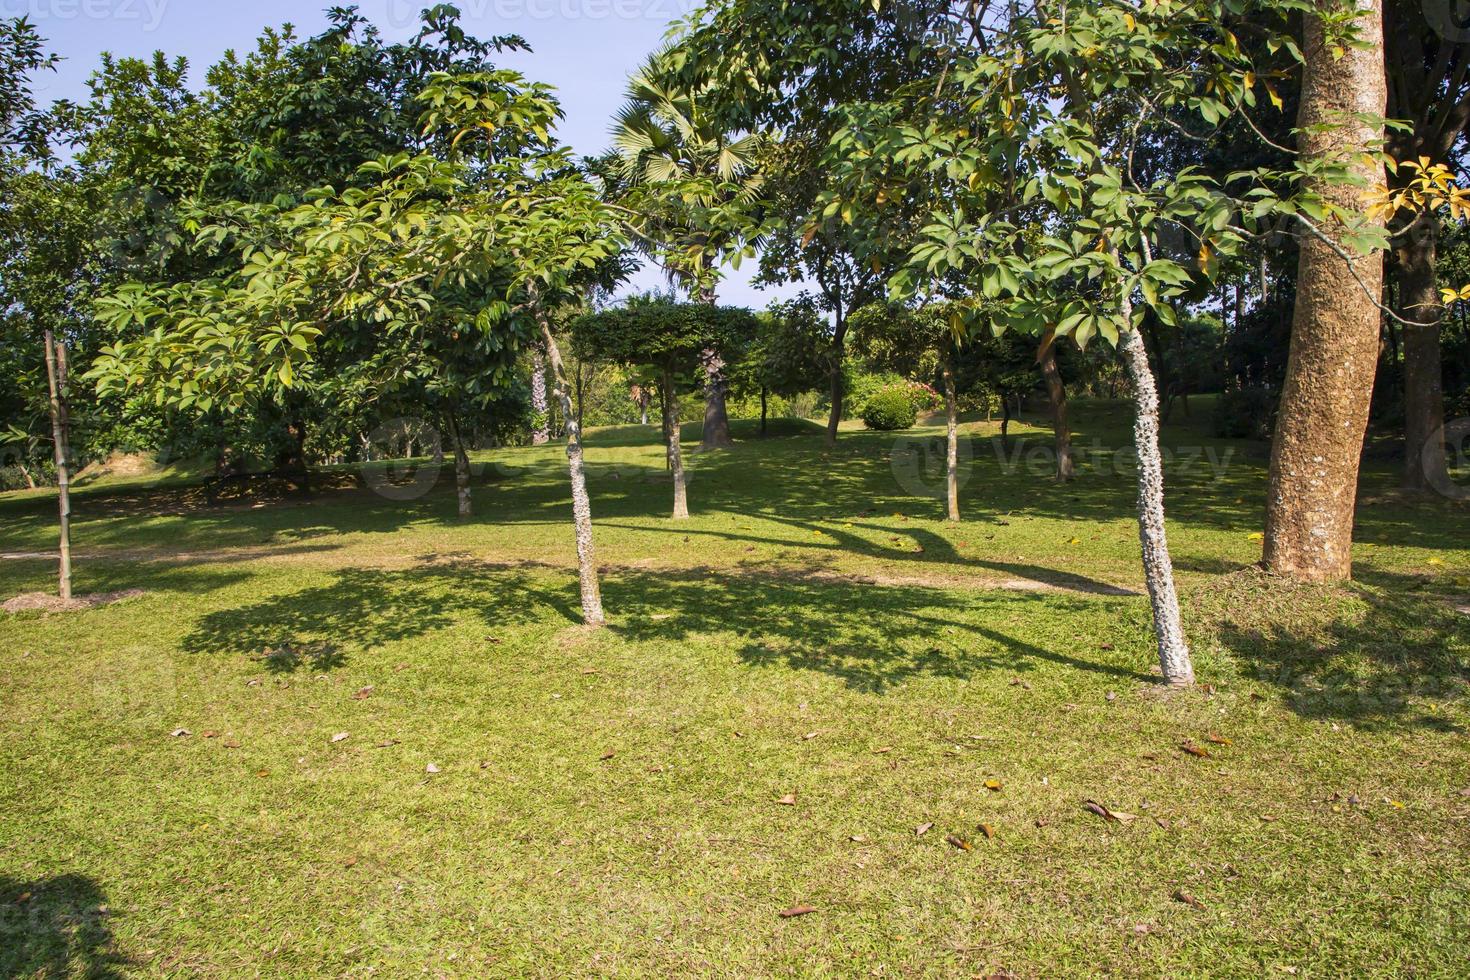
x: 890, y: 409
x: 1247, y: 413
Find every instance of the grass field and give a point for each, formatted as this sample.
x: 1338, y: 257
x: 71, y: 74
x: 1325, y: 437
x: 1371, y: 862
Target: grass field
x: 405, y: 757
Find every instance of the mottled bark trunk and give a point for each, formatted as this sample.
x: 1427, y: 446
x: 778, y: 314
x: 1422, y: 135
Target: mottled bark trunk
x: 1158, y: 568
x: 951, y: 448
x: 1056, y: 393
x: 1419, y: 302
x: 671, y: 446
x: 839, y: 341
x: 60, y: 435
x: 461, y: 466
x: 592, y: 612
x: 716, y: 387
x: 541, y: 410
x: 1335, y: 327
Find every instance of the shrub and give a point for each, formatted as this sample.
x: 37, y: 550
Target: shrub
x: 890, y: 409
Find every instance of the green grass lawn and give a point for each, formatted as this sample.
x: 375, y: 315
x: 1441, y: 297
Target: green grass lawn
x: 517, y: 795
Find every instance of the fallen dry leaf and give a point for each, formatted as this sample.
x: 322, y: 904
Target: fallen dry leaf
x: 230, y: 743
x: 993, y: 785
x: 606, y: 755
x: 797, y: 910
x: 209, y: 735
x: 1042, y: 822
x: 180, y: 733
x: 858, y: 839
x: 1116, y: 816
x: 988, y: 831
x: 1217, y: 739
x: 809, y: 736
x: 788, y: 800
x: 431, y: 768
x: 1194, y: 750
x: 363, y: 693
x: 349, y: 862
x: 1180, y: 895
x: 956, y: 841
x: 341, y: 736
x: 923, y: 829
x: 889, y: 748
x: 386, y: 743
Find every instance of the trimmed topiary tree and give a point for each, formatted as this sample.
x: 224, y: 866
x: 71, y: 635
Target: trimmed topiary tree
x: 889, y: 410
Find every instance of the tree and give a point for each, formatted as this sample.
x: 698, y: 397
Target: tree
x: 1335, y: 327
x: 789, y: 354
x: 678, y: 173
x: 1428, y: 71
x: 671, y: 339
x: 434, y: 255
x: 919, y: 343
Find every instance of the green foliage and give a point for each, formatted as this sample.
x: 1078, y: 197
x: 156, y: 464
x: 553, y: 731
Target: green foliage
x: 1245, y: 413
x: 890, y: 408
x: 661, y: 332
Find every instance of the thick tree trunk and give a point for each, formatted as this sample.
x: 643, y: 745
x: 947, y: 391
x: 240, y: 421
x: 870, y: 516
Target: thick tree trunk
x: 1158, y: 568
x: 716, y: 388
x: 592, y: 612
x: 60, y: 433
x: 1056, y: 393
x: 461, y: 466
x: 1335, y: 327
x: 1419, y: 302
x: 951, y: 448
x: 839, y: 341
x: 541, y: 410
x: 671, y: 446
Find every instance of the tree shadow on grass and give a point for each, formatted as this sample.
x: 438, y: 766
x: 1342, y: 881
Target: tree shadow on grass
x: 1381, y: 652
x: 872, y: 637
x: 359, y: 609
x: 56, y: 927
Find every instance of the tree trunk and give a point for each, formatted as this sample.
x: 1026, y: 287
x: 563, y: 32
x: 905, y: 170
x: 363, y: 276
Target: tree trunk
x: 541, y: 433
x: 461, y: 466
x: 592, y: 612
x: 671, y: 446
x: 60, y: 432
x: 1158, y: 568
x: 1005, y: 422
x: 839, y: 340
x: 951, y: 448
x: 1056, y: 393
x: 716, y: 420
x: 1335, y: 327
x: 25, y: 472
x: 1424, y: 455
x: 763, y: 410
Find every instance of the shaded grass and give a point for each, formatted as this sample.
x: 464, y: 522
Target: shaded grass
x: 1328, y: 836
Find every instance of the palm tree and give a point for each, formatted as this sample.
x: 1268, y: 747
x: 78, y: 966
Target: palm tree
x: 683, y: 174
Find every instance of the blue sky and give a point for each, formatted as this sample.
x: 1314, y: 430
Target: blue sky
x: 586, y: 48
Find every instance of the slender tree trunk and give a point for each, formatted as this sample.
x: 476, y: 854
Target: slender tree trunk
x: 60, y: 433
x: 1056, y: 393
x: 672, y: 447
x: 592, y: 612
x: 25, y: 472
x: 541, y: 410
x: 951, y: 448
x: 1419, y: 301
x: 1005, y: 422
x: 839, y: 341
x: 763, y: 410
x: 1334, y: 337
x: 461, y: 466
x: 1158, y: 568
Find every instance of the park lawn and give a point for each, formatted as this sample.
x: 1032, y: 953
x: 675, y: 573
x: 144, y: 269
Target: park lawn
x: 610, y: 802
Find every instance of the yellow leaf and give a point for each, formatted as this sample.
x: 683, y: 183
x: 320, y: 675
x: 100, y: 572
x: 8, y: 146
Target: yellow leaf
x: 1256, y: 536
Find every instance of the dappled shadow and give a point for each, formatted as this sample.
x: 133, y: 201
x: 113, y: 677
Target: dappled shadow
x: 56, y: 927
x: 870, y: 636
x: 1381, y: 652
x: 361, y: 608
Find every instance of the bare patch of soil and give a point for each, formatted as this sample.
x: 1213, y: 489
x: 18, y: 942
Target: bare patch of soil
x: 46, y: 602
